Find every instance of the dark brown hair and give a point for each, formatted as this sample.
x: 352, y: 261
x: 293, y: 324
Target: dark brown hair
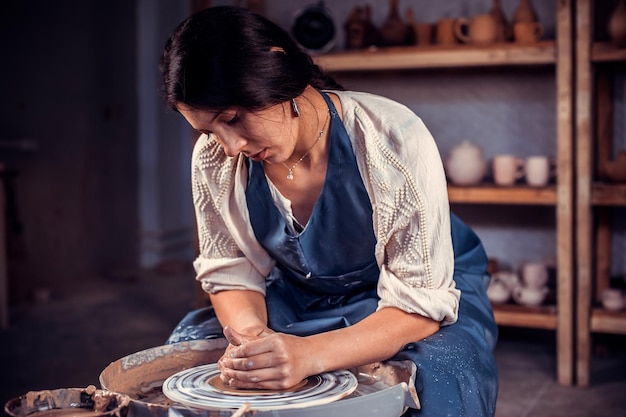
x: 225, y: 57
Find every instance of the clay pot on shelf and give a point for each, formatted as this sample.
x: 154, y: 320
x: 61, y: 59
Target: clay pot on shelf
x: 394, y: 31
x: 615, y: 170
x: 524, y: 12
x: 613, y: 299
x: 498, y: 292
x: 529, y: 296
x: 465, y: 164
x: 355, y: 29
x: 479, y: 30
x: 617, y: 24
x: 504, y: 32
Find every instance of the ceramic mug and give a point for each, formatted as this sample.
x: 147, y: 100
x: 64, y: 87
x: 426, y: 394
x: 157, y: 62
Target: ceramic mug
x: 527, y: 32
x: 539, y: 170
x: 481, y: 29
x: 535, y: 274
x: 445, y: 32
x: 507, y: 169
x: 423, y: 33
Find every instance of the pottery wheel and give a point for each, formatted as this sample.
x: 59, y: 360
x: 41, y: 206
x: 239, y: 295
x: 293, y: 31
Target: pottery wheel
x: 199, y: 387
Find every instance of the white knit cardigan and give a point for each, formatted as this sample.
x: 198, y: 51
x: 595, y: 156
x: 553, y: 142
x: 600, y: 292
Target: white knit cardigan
x: 402, y: 171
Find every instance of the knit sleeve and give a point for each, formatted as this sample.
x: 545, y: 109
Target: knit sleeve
x: 221, y: 263
x: 402, y: 169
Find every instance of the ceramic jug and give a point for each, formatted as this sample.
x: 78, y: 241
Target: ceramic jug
x: 617, y: 24
x: 465, y: 164
x: 481, y: 29
x: 524, y: 12
x: 394, y: 31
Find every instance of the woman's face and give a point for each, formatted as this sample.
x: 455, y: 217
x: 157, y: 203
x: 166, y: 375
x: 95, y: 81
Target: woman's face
x: 265, y: 135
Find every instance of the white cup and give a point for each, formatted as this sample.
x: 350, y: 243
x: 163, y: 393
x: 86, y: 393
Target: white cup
x: 534, y: 274
x: 539, y: 170
x: 613, y: 299
x: 507, y: 169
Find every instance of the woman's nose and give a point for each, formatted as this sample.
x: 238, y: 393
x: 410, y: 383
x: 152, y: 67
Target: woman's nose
x: 232, y: 144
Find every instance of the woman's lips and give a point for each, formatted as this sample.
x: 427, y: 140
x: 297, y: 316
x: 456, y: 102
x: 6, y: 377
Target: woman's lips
x: 259, y: 156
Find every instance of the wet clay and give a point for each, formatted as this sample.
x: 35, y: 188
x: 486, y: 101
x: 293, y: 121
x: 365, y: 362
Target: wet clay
x: 69, y: 402
x: 217, y: 383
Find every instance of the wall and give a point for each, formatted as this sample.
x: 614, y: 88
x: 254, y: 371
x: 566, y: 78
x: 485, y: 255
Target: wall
x: 68, y: 88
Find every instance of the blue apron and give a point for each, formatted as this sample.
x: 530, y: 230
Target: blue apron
x: 325, y: 278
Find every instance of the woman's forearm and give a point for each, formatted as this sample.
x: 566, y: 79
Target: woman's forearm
x: 243, y: 310
x: 377, y: 337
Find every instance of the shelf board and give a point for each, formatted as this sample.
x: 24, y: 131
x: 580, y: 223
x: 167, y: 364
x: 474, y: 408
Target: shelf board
x: 421, y: 57
x: 491, y: 194
x: 604, y: 321
x: 607, y: 194
x: 607, y: 52
x: 543, y: 317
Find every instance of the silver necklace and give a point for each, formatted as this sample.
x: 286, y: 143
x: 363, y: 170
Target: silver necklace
x: 290, y: 170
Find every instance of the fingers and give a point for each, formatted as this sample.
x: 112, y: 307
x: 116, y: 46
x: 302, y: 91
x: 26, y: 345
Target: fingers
x: 267, y: 378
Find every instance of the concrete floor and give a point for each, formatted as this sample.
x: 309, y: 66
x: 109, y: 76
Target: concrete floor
x: 66, y: 341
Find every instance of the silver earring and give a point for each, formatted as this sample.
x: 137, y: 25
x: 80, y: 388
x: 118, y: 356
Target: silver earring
x: 295, y: 108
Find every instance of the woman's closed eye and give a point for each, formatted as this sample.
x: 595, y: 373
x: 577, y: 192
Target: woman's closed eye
x: 235, y: 119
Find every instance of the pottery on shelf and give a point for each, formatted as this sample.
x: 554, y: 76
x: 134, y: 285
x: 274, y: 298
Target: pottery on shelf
x: 498, y: 292
x: 504, y: 32
x: 394, y: 31
x: 613, y: 299
x: 355, y: 29
x: 529, y: 296
x: 615, y: 170
x: 466, y: 165
x: 525, y: 12
x: 617, y: 24
x: 481, y: 29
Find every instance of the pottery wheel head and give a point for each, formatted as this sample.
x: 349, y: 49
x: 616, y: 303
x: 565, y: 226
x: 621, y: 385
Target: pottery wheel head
x: 201, y: 387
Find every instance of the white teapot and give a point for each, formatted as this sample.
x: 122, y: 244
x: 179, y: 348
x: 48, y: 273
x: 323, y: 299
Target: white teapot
x: 498, y: 291
x: 466, y: 165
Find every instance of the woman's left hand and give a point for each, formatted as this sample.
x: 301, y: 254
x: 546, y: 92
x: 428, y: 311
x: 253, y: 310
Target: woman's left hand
x: 275, y: 361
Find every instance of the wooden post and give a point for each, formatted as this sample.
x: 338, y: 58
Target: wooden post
x: 565, y: 194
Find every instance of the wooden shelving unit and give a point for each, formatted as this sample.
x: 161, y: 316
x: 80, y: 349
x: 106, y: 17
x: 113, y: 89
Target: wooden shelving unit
x: 558, y: 55
x: 421, y: 57
x: 595, y: 63
x: 519, y: 195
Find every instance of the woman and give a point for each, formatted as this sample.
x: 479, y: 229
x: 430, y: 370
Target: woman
x: 326, y: 240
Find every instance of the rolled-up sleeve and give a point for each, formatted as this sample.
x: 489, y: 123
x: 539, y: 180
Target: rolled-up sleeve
x: 228, y: 274
x: 403, y: 173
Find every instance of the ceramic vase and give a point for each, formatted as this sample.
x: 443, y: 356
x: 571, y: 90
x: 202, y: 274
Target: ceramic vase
x: 525, y: 12
x: 394, y: 31
x: 617, y: 24
x: 503, y: 28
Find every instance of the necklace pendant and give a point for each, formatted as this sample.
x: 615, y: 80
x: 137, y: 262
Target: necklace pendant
x: 290, y: 174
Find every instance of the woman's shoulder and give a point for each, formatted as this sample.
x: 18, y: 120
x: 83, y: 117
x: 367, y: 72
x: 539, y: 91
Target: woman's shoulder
x: 373, y: 104
x: 207, y: 153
